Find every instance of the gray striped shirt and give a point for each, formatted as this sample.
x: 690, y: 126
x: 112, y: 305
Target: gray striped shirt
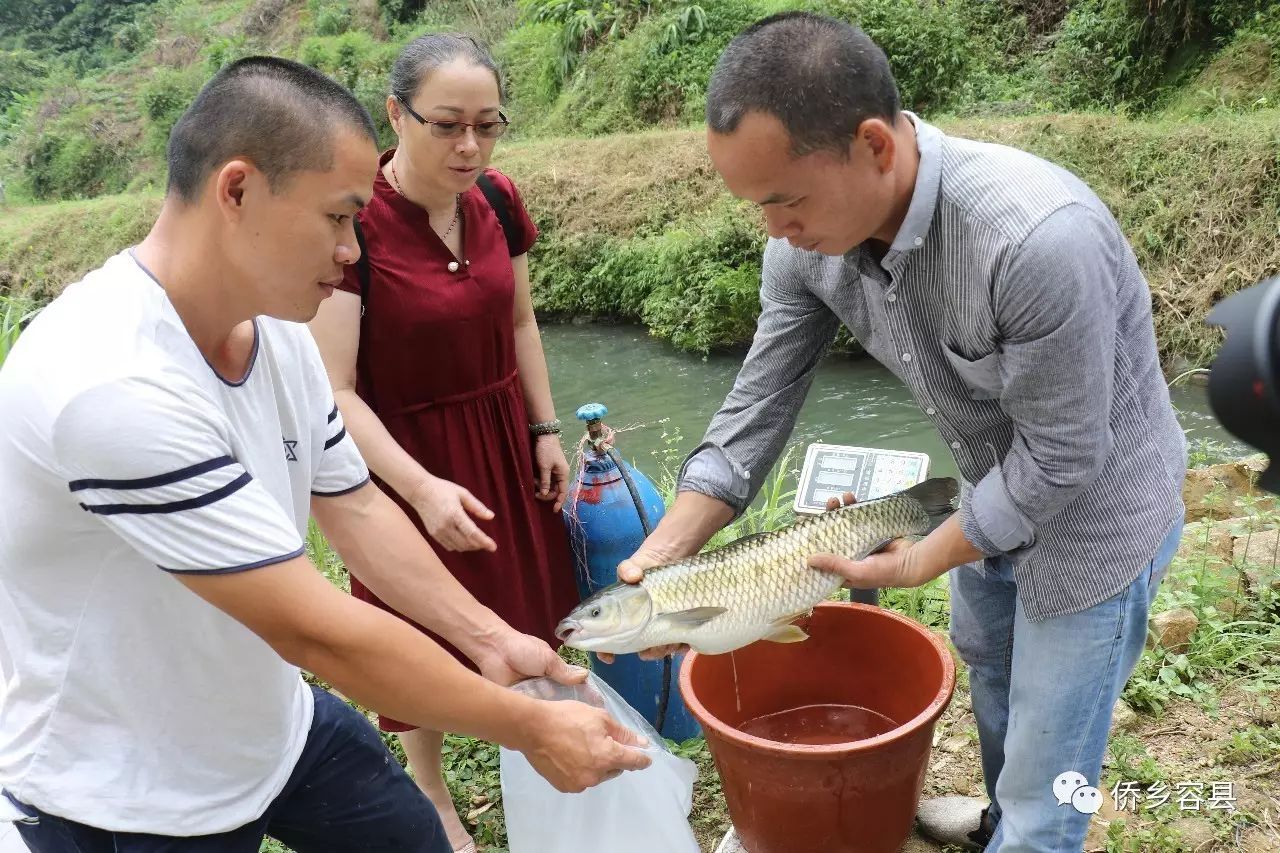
x: 1014, y: 310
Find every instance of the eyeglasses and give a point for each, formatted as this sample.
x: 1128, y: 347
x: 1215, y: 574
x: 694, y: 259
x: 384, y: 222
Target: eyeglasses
x: 453, y: 129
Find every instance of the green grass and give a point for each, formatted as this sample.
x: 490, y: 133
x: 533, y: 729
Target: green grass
x: 15, y: 312
x: 1238, y: 638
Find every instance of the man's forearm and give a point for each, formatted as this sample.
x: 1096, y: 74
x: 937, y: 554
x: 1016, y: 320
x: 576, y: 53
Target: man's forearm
x: 941, y: 551
x: 368, y: 661
x: 383, y: 549
x: 690, y: 523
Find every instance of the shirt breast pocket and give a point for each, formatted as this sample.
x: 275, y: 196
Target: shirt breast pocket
x: 982, y: 375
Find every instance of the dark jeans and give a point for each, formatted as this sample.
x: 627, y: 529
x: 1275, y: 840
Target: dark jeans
x: 347, y: 793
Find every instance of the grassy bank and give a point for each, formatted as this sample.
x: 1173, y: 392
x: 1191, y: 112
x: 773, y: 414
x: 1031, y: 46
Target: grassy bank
x: 638, y: 226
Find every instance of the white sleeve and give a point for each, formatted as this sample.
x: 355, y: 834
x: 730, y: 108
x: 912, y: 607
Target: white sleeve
x: 155, y: 465
x: 341, y: 467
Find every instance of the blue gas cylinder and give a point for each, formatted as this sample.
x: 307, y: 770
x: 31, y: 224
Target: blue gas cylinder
x: 605, y: 527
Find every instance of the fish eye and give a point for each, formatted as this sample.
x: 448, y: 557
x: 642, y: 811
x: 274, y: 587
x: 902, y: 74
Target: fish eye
x: 595, y: 612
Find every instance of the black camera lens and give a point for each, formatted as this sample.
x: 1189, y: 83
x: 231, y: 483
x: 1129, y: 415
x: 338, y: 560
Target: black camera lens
x: 1242, y: 383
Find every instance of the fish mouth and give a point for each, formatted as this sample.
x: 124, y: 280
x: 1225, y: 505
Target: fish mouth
x: 566, y: 629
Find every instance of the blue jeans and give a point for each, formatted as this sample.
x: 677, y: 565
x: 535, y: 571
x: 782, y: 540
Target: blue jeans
x: 1043, y: 693
x: 346, y: 794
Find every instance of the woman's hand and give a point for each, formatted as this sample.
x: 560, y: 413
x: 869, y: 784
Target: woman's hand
x: 446, y: 509
x: 552, y: 469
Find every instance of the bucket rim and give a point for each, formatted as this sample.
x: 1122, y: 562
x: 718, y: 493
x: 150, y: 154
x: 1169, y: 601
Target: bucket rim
x: 821, y: 752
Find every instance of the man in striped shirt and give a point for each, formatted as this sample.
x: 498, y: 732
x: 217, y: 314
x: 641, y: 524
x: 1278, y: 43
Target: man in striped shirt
x: 1001, y: 291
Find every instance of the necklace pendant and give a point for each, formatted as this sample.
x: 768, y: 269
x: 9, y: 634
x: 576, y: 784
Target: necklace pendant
x: 453, y: 266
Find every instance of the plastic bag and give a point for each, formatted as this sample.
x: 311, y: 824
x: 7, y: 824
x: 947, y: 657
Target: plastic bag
x: 641, y: 811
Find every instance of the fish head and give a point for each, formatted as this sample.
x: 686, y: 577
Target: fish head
x: 608, y: 620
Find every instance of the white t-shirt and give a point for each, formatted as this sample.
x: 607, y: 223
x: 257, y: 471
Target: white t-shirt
x: 133, y: 705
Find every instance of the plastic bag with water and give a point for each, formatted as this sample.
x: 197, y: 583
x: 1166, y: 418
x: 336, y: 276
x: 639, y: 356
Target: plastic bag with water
x: 641, y: 811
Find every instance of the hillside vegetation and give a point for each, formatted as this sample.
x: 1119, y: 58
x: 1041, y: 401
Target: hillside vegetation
x: 1168, y: 108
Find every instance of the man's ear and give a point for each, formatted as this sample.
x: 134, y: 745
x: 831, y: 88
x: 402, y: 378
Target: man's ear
x: 231, y: 184
x: 877, y: 135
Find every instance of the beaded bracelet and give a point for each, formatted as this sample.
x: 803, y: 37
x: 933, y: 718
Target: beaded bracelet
x: 545, y: 428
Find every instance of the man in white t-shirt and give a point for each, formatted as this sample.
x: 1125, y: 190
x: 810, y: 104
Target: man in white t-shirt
x: 168, y: 429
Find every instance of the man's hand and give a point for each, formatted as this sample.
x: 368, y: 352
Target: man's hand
x: 514, y: 657
x: 893, y: 566
x: 574, y: 746
x: 631, y: 570
x: 885, y: 568
x: 901, y: 563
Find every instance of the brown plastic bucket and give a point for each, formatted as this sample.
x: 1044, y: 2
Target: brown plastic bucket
x: 850, y: 797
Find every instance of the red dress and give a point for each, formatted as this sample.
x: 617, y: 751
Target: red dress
x: 437, y: 363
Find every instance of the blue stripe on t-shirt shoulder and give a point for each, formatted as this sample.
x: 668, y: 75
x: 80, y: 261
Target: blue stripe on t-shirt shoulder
x: 341, y: 434
x: 158, y: 480
x: 173, y: 506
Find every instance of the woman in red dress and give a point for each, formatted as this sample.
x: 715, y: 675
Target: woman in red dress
x: 442, y: 381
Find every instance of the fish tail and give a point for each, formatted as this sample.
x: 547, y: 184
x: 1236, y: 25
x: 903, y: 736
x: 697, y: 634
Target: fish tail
x: 937, y: 496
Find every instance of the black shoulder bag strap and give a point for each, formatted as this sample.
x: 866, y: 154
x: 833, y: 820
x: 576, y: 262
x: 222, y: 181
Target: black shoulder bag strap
x: 499, y: 205
x: 496, y: 200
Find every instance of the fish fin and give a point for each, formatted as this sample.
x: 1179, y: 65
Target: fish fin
x: 694, y: 617
x: 748, y: 538
x: 786, y: 634
x: 936, y: 496
x: 874, y: 548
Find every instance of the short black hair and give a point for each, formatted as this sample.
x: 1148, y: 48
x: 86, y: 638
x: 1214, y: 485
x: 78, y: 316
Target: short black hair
x: 821, y: 77
x: 278, y: 114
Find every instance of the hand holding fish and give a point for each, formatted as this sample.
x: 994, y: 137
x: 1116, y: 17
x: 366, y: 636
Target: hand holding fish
x: 901, y: 563
x: 631, y: 570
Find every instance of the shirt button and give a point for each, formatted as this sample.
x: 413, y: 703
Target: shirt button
x: 892, y: 297
x: 919, y: 241
x: 931, y: 411
x: 906, y: 356
x: 955, y: 445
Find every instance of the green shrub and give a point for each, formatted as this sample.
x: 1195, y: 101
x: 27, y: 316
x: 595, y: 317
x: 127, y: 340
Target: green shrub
x: 332, y: 17
x: 15, y: 312
x: 656, y: 74
x: 21, y: 72
x: 361, y: 64
x: 669, y: 82
x: 1098, y: 58
x: 68, y: 161
x: 1113, y: 52
x: 224, y: 51
x: 1243, y: 77
x: 926, y: 41
x: 164, y: 98
x: 528, y: 58
x: 696, y: 286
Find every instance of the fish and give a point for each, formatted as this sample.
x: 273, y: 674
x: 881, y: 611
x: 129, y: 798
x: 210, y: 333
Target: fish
x: 753, y: 588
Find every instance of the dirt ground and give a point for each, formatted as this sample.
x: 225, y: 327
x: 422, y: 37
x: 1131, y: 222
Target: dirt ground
x: 1188, y: 744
